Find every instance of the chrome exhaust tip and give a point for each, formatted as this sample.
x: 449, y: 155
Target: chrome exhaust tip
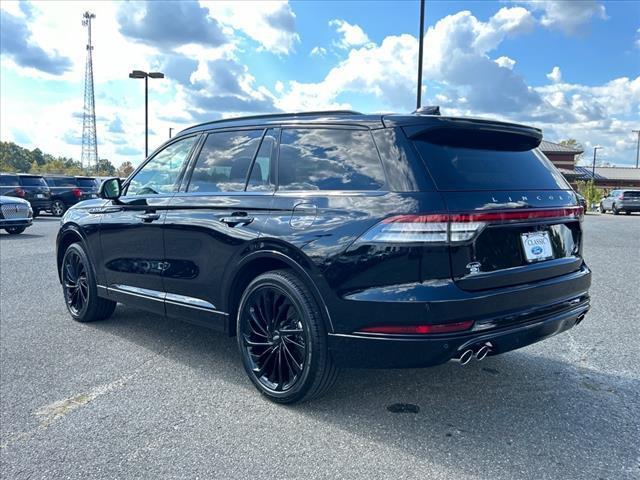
x: 482, y: 352
x: 465, y: 357
x: 580, y: 318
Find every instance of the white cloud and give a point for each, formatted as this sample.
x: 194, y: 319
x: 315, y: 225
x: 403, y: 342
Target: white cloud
x: 505, y: 62
x: 555, y: 75
x: 318, y: 52
x: 352, y: 35
x: 270, y: 23
x: 568, y: 16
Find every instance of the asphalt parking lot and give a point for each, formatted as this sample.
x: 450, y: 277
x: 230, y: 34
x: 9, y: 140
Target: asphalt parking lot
x: 141, y: 396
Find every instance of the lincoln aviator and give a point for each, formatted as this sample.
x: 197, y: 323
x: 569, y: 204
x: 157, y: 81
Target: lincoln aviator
x: 325, y: 240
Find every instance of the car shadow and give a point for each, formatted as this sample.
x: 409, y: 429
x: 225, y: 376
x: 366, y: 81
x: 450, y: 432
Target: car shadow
x: 19, y: 236
x: 519, y: 412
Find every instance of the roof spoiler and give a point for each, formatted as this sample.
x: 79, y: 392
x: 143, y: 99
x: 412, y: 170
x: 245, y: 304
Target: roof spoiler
x: 476, y: 133
x: 427, y: 110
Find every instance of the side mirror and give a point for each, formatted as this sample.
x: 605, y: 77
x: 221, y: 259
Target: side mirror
x: 111, y: 189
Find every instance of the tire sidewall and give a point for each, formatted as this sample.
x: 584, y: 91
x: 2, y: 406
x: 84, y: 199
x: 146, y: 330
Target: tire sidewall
x: 304, y: 382
x: 93, y: 291
x: 63, y: 208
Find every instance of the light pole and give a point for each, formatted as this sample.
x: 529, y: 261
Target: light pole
x: 146, y: 76
x: 593, y: 168
x: 420, y: 46
x: 638, y: 147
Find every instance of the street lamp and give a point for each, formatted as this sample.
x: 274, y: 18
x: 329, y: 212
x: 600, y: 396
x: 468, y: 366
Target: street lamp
x: 146, y: 76
x: 593, y: 168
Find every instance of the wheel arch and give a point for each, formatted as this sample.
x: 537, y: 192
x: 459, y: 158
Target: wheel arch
x: 257, y: 263
x: 66, y: 237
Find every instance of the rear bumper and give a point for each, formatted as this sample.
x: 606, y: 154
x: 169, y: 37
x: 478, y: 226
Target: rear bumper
x: 635, y: 207
x: 509, y: 318
x: 369, y: 351
x: 40, y: 204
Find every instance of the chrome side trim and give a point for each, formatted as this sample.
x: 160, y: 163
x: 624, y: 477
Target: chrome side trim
x: 172, y: 298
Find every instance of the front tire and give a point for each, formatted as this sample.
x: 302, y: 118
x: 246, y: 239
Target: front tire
x: 15, y: 230
x: 601, y: 209
x: 58, y: 208
x: 79, y: 287
x: 283, y: 340
x: 615, y: 210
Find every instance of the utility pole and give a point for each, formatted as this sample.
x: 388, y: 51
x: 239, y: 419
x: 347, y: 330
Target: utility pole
x: 89, y: 153
x: 637, y: 148
x: 593, y: 168
x: 420, y: 47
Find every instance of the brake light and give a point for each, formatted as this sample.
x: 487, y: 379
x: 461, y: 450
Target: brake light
x: 77, y: 192
x: 622, y: 196
x: 456, y: 227
x: 420, y: 329
x: 19, y: 192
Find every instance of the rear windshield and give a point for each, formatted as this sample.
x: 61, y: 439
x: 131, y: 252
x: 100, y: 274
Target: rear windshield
x: 9, y: 180
x: 33, y: 182
x: 455, y: 168
x: 61, y: 182
x: 87, y: 183
x: 634, y: 194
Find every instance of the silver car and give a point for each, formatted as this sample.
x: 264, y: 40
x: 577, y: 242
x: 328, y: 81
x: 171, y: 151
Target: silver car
x: 626, y: 201
x: 15, y: 214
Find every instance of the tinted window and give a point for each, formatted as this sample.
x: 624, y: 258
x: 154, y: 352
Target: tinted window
x: 224, y: 161
x: 87, y: 183
x: 328, y: 159
x: 262, y: 170
x: 32, y: 182
x: 9, y: 180
x: 454, y: 168
x: 61, y: 181
x: 160, y: 174
x: 633, y: 194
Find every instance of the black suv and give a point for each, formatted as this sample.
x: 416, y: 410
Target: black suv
x: 335, y: 239
x: 67, y: 191
x: 32, y: 188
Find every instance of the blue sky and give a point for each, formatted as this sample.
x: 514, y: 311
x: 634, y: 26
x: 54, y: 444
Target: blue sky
x: 570, y: 68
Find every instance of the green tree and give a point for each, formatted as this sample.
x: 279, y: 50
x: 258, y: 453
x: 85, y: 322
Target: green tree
x: 573, y: 143
x: 125, y: 169
x: 105, y: 168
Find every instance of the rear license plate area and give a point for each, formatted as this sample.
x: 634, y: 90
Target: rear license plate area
x: 537, y: 246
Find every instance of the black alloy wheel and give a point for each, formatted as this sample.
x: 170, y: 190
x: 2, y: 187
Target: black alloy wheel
x: 79, y: 287
x: 58, y: 208
x: 282, y: 339
x: 75, y: 283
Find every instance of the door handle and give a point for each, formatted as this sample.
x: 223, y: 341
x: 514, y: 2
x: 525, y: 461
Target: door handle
x: 234, y: 220
x: 148, y: 217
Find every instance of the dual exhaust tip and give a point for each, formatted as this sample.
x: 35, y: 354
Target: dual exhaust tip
x: 479, y: 352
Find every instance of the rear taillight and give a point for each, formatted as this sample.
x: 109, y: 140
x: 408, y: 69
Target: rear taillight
x: 453, y: 228
x: 622, y: 196
x: 76, y: 192
x: 419, y: 329
x: 19, y: 192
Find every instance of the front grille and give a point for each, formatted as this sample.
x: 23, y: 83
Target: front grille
x: 12, y: 211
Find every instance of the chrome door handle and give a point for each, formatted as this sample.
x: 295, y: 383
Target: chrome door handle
x: 233, y: 220
x: 148, y: 217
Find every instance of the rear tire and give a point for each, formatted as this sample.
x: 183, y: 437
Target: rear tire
x: 79, y: 287
x: 628, y: 212
x: 283, y: 340
x: 15, y: 230
x: 58, y: 208
x: 36, y: 212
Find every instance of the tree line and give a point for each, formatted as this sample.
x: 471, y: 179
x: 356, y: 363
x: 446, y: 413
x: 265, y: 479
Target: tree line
x: 14, y: 158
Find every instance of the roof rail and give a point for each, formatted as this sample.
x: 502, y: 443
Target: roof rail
x: 278, y: 115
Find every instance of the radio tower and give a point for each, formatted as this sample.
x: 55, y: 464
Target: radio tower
x: 89, y: 155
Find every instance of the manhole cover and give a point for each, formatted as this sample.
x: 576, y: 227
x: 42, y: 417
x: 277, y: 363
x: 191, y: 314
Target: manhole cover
x: 403, y: 408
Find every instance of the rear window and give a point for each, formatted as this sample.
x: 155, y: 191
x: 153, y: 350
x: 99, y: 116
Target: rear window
x: 61, y: 182
x: 634, y: 194
x: 32, y: 182
x: 87, y: 183
x: 9, y: 180
x: 455, y: 168
x: 328, y: 159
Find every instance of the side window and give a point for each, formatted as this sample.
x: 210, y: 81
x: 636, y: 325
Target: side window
x: 9, y: 180
x: 261, y: 178
x: 161, y: 173
x: 328, y: 159
x: 224, y: 161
